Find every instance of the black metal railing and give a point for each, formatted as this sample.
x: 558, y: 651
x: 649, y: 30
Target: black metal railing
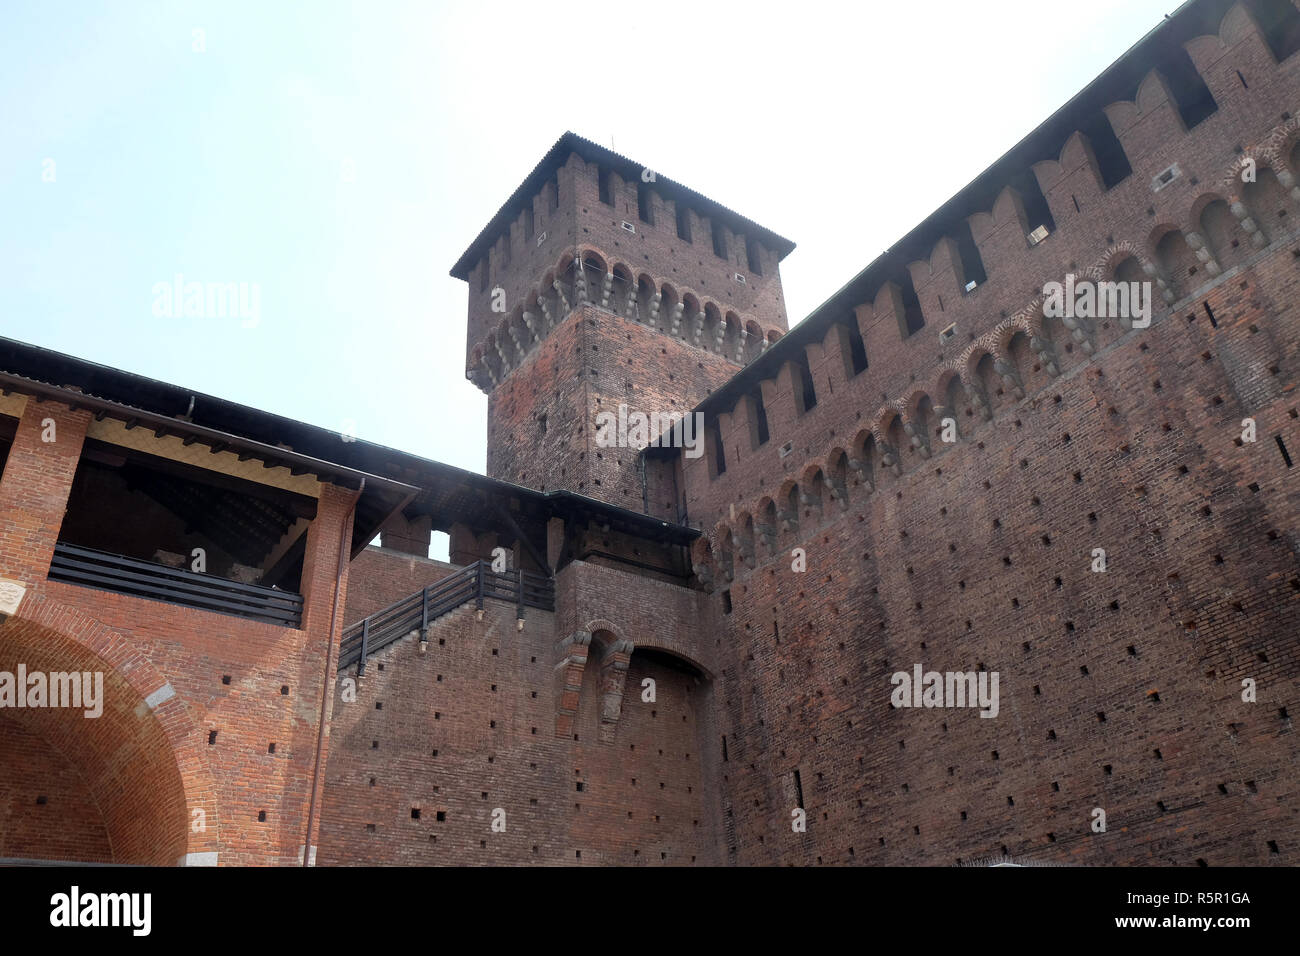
x: 475, y: 582
x: 158, y: 582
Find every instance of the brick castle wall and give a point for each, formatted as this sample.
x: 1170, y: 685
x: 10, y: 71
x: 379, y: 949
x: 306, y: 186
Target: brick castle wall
x: 1120, y: 690
x: 435, y: 742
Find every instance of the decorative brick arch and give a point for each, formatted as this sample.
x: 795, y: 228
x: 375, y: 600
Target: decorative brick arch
x: 1231, y: 183
x: 809, y: 471
x: 971, y: 356
x: 586, y: 249
x: 1157, y: 232
x: 1030, y: 317
x: 910, y: 403
x: 947, y: 372
x: 614, y: 659
x: 146, y: 762
x: 1001, y: 334
x: 1114, y: 255
x: 665, y: 647
x: 1198, y: 207
x: 599, y: 624
x: 1277, y: 148
x: 884, y: 414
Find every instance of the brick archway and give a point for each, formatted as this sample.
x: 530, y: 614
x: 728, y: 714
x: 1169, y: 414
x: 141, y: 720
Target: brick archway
x: 139, y: 763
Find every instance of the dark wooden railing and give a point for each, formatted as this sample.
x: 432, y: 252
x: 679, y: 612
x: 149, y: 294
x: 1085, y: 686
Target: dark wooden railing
x: 475, y: 582
x: 157, y: 582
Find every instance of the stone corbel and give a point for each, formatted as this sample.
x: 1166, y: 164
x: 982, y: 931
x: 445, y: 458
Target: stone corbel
x: 505, y: 362
x: 1252, y: 228
x: 613, y: 677
x: 1197, y: 244
x: 839, y: 493
x: 1010, y: 376
x: 920, y: 438
x: 810, y: 501
x: 1081, y: 331
x: 514, y: 336
x: 1046, y: 355
x: 891, y: 459
x: 979, y: 401
x: 1288, y: 182
x: 863, y: 478
x: 573, y: 651
x: 1166, y: 293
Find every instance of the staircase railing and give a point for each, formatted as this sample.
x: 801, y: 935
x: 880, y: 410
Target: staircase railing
x: 413, y: 615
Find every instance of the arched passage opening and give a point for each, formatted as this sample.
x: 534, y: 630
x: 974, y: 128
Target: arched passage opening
x: 105, y: 788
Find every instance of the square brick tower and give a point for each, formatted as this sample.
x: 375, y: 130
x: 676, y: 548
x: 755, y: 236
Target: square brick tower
x: 602, y: 284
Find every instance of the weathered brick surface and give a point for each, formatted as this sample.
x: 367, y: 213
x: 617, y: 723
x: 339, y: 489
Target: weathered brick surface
x: 205, y: 745
x: 468, y: 727
x: 380, y: 577
x: 46, y: 811
x: 1120, y: 690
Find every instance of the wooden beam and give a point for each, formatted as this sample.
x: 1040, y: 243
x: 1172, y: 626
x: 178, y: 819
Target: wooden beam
x: 540, y: 559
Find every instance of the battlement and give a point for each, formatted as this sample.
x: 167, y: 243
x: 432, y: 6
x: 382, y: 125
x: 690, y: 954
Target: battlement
x: 1182, y: 219
x: 590, y: 227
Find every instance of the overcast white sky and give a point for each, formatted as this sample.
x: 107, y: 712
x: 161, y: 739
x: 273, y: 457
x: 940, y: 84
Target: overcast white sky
x: 838, y: 125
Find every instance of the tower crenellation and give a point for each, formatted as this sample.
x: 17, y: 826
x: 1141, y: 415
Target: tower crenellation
x: 603, y: 287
